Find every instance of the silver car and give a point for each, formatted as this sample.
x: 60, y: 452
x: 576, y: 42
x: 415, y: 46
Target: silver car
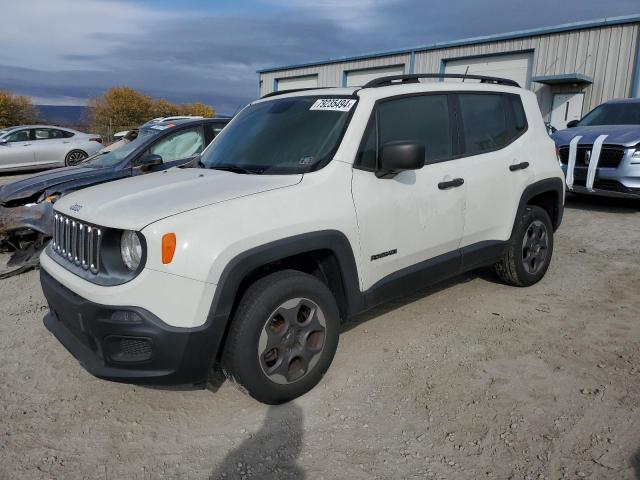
x: 42, y: 146
x: 606, y: 150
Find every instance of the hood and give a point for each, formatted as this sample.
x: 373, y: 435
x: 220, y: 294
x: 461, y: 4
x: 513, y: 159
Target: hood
x: 626, y: 135
x: 134, y: 203
x: 60, y: 180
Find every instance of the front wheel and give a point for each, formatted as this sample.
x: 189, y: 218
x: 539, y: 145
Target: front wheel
x: 528, y: 255
x: 283, y: 337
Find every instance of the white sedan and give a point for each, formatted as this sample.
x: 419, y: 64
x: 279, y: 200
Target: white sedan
x: 43, y: 146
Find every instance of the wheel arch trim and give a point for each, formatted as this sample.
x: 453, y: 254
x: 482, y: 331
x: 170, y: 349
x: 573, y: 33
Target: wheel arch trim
x: 554, y: 185
x: 243, y: 264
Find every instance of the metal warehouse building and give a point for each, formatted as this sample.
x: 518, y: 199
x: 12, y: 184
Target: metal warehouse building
x: 572, y: 68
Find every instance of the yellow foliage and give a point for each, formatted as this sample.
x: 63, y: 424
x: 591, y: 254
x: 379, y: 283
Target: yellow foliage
x: 124, y: 107
x: 16, y: 110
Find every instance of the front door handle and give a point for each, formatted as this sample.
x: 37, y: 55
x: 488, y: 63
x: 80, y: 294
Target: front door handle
x: 456, y: 182
x: 518, y: 166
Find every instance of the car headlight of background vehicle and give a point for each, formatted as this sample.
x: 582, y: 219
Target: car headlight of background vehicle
x: 51, y: 198
x: 635, y: 156
x: 131, y: 249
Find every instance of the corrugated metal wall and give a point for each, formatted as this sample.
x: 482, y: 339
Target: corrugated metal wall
x: 606, y: 54
x: 330, y: 75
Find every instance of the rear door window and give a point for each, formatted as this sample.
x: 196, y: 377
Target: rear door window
x: 490, y: 121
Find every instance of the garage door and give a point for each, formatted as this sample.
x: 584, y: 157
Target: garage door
x: 512, y: 66
x: 308, y: 81
x: 358, y: 78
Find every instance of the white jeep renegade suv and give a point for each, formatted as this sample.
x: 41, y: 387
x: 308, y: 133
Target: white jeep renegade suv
x: 308, y: 208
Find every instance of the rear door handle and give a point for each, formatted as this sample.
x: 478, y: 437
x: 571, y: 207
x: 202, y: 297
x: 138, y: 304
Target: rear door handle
x: 518, y: 166
x: 456, y: 182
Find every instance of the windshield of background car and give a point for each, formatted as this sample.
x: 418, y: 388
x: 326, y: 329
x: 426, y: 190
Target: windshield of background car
x: 110, y: 159
x: 282, y: 136
x: 613, y: 114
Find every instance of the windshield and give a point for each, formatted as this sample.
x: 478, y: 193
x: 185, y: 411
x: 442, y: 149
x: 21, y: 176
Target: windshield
x: 613, y: 114
x: 109, y: 159
x: 284, y: 136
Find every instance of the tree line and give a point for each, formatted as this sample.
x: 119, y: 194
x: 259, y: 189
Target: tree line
x: 117, y: 108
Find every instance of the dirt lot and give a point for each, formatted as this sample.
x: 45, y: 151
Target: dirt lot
x: 469, y: 380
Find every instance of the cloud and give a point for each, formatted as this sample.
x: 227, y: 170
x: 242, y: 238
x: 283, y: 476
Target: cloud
x: 358, y: 15
x: 65, y: 50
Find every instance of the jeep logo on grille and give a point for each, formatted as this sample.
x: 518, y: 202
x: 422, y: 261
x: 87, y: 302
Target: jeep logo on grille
x: 587, y: 157
x: 76, y: 207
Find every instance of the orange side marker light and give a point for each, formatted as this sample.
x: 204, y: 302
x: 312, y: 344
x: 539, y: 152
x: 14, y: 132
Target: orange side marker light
x: 168, y: 247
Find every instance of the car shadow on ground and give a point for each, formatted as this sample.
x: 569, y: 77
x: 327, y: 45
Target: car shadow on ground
x: 271, y: 452
x: 602, y: 204
x: 635, y: 463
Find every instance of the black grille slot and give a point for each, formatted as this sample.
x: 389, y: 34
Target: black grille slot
x: 77, y: 242
x: 609, y: 157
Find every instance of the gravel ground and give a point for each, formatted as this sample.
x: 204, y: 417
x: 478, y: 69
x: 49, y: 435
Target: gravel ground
x: 469, y: 380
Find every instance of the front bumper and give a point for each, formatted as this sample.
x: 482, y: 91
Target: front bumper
x: 127, y: 344
x: 621, y: 182
x: 37, y: 217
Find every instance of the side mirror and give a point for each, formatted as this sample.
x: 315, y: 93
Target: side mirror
x: 395, y: 157
x: 3, y: 141
x: 149, y: 161
x: 572, y: 123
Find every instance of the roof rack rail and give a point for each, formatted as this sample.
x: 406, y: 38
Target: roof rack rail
x: 415, y: 78
x: 282, y: 92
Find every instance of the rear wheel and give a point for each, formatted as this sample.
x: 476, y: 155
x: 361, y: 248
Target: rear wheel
x: 283, y: 337
x: 74, y: 157
x: 529, y: 252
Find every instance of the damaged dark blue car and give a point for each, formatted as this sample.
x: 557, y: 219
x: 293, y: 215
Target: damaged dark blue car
x: 26, y: 205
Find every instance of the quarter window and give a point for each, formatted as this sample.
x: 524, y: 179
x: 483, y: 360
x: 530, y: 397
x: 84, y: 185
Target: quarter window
x: 519, y: 118
x: 369, y: 149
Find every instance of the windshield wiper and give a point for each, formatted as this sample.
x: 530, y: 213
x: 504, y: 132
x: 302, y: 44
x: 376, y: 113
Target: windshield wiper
x: 237, y: 169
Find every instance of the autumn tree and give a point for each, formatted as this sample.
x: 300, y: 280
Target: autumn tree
x: 16, y: 110
x: 123, y: 107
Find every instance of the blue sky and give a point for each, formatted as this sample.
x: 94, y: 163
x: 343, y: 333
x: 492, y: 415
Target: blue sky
x: 66, y: 51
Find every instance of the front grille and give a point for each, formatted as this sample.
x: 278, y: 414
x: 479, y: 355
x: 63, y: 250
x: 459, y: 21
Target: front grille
x: 610, y: 157
x: 77, y: 242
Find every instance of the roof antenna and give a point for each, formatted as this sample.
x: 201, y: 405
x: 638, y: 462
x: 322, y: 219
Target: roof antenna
x: 465, y: 74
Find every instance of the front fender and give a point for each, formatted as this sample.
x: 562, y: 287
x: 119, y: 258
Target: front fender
x: 246, y: 262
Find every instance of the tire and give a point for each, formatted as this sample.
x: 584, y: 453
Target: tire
x: 530, y: 249
x: 267, y: 349
x: 74, y: 157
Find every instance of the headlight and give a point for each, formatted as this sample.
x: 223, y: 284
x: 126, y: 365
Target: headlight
x: 48, y: 198
x: 131, y: 249
x: 635, y: 156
